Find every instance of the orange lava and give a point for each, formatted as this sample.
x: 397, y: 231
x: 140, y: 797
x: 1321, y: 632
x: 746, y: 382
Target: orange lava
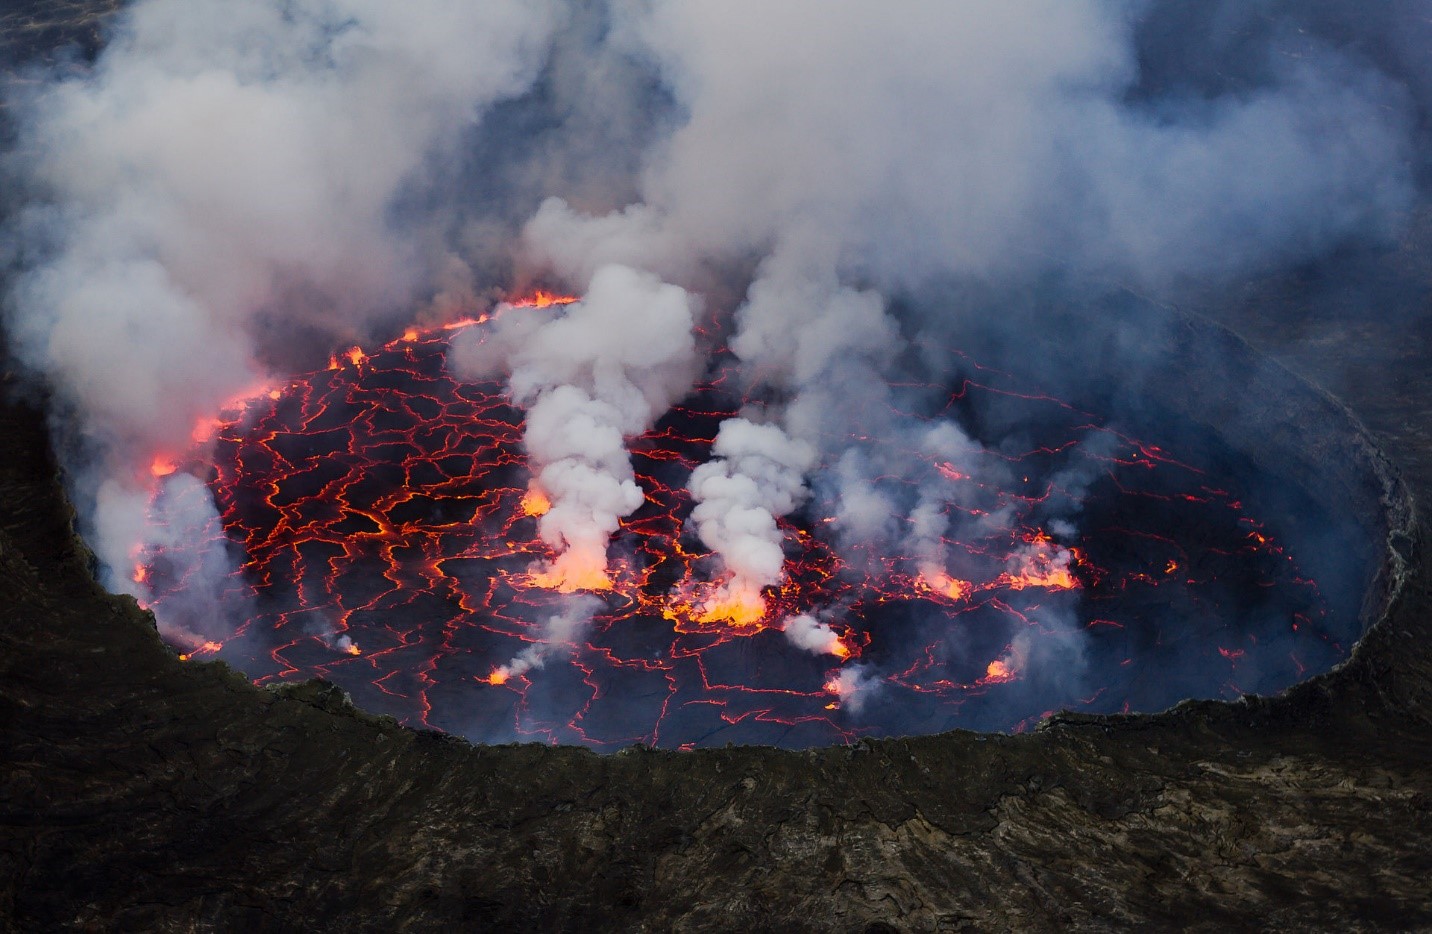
x: 461, y: 323
x: 208, y: 648
x: 937, y: 581
x: 1049, y: 578
x: 571, y: 572
x: 735, y: 603
x: 1042, y: 564
x: 950, y: 473
x: 535, y: 502
x: 998, y: 672
x: 542, y: 299
x: 162, y: 466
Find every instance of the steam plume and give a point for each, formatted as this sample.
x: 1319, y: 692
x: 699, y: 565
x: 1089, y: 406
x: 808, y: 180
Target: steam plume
x: 598, y: 372
x: 755, y: 477
x: 940, y: 141
x: 813, y: 635
x: 225, y: 173
x: 558, y: 632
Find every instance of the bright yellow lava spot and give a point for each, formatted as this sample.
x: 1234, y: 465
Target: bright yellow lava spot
x: 535, y: 502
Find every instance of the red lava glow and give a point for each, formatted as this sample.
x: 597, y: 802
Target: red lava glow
x: 162, y: 466
x: 541, y: 299
x: 998, y: 671
x: 380, y: 503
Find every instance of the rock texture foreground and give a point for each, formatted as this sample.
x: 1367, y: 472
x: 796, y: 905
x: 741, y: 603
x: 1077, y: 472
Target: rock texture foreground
x: 139, y: 792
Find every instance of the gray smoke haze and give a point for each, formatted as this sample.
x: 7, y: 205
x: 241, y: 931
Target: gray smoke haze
x: 923, y: 139
x: 558, y: 633
x: 230, y: 178
x: 591, y: 376
x: 224, y: 168
x: 866, y: 150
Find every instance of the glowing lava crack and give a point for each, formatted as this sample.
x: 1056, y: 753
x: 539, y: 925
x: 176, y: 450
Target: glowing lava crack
x: 385, y: 523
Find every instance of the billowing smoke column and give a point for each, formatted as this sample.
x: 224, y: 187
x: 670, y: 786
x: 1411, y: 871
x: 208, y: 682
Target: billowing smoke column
x: 232, y: 183
x: 810, y: 340
x: 591, y: 375
x: 757, y: 476
x: 228, y: 176
x: 926, y: 142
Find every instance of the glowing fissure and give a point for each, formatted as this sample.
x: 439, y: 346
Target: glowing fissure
x: 393, y: 528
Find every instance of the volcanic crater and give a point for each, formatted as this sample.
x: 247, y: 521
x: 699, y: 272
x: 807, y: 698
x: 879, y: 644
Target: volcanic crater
x: 1328, y: 777
x: 384, y: 523
x: 144, y: 792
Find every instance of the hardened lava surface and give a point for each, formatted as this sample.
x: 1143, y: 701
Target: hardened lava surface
x: 387, y: 536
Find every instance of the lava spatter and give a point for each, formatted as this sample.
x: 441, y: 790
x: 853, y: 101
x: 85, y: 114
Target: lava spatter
x: 387, y: 523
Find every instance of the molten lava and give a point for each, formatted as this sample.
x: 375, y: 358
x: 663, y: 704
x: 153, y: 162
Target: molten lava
x: 998, y: 671
x: 731, y: 602
x: 535, y: 502
x: 541, y: 299
x: 381, y: 503
x: 572, y: 571
x: 162, y: 466
x: 937, y: 581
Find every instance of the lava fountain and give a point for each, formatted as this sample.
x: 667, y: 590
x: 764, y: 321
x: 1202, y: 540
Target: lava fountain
x: 384, y: 522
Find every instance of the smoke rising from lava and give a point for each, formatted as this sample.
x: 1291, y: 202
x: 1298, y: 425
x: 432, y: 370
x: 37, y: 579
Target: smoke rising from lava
x: 590, y: 375
x: 754, y: 184
x: 558, y: 631
x: 223, y: 170
x: 755, y: 477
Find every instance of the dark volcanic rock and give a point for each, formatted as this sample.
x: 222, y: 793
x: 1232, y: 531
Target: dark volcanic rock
x: 31, y: 29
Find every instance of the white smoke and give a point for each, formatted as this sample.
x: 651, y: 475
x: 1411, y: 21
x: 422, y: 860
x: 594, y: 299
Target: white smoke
x: 591, y: 375
x: 559, y: 632
x: 183, y: 523
x: 225, y: 169
x: 855, y: 685
x: 933, y: 140
x: 813, y: 635
x: 956, y: 459
x: 800, y: 331
x: 989, y: 138
x: 231, y: 173
x: 755, y: 476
